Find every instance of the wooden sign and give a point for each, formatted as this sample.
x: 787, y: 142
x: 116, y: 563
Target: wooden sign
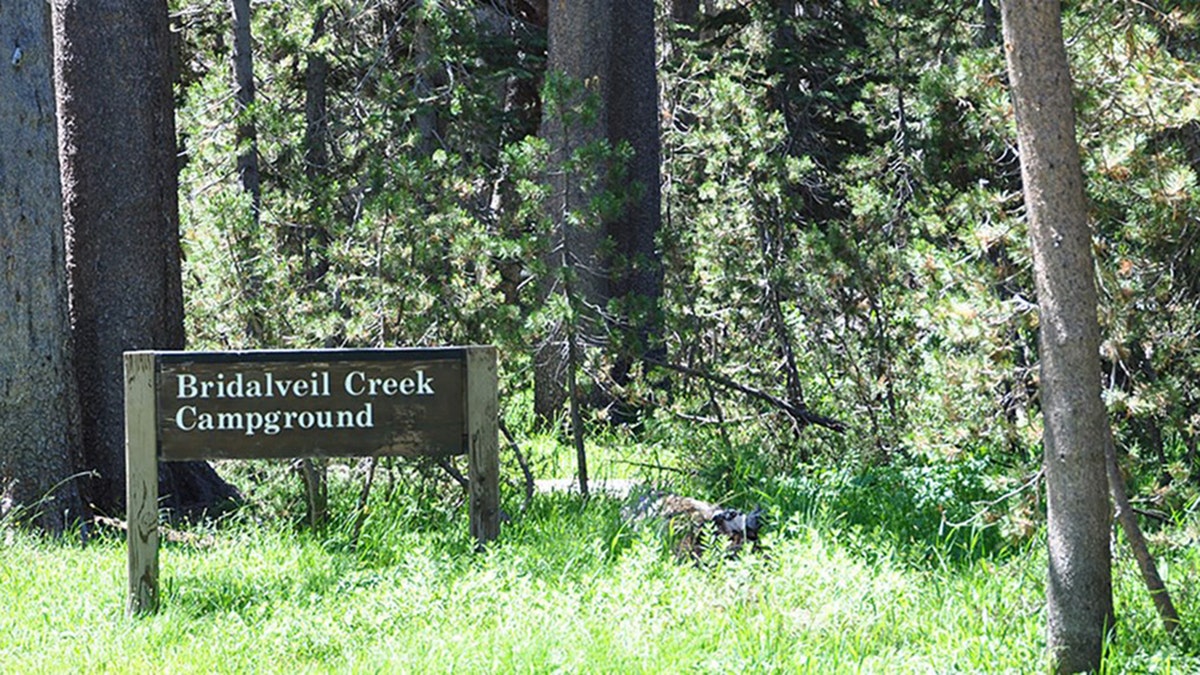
x: 320, y: 403
x: 274, y: 404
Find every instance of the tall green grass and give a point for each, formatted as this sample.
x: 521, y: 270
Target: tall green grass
x: 567, y: 588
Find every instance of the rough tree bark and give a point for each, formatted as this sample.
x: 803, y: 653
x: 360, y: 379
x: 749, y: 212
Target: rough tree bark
x: 117, y: 150
x: 636, y: 268
x: 316, y: 151
x: 1076, y: 430
x: 577, y: 49
x: 244, y: 91
x: 39, y: 411
x: 316, y: 240
x: 608, y: 47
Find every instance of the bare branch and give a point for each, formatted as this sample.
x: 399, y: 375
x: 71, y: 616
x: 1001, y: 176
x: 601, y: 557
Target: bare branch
x: 800, y: 413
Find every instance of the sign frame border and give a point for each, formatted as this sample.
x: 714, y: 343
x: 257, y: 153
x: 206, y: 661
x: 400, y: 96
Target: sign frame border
x: 142, y: 443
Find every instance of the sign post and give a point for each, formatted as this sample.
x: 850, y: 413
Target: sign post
x: 183, y: 406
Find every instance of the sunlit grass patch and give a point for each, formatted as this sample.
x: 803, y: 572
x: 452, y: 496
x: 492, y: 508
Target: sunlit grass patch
x: 567, y: 588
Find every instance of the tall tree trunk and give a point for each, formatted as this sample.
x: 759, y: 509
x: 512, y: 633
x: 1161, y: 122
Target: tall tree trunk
x: 243, y: 78
x: 636, y: 269
x: 246, y: 143
x: 316, y: 152
x: 313, y: 472
x: 427, y: 77
x: 39, y: 409
x: 577, y: 78
x: 607, y: 49
x: 1076, y: 432
x: 117, y: 149
x: 988, y: 33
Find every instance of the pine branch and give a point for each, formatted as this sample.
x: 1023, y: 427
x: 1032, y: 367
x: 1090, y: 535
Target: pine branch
x: 800, y: 413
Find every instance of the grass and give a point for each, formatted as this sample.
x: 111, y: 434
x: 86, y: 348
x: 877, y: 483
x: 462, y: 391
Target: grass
x: 567, y: 588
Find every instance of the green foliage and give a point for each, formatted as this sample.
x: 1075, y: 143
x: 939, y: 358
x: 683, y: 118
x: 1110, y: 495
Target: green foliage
x: 395, y: 239
x: 567, y: 586
x: 927, y: 515
x: 888, y: 229
x: 842, y: 229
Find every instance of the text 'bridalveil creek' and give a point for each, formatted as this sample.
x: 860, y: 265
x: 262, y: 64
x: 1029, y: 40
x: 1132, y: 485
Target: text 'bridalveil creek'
x: 196, y: 393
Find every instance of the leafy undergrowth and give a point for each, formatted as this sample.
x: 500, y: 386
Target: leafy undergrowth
x: 567, y: 588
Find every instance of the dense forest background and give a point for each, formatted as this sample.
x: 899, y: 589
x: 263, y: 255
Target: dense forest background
x: 841, y: 231
x: 774, y: 255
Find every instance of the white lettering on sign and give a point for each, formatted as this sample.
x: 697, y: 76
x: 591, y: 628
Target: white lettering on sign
x: 238, y: 386
x: 358, y: 384
x: 251, y: 422
x: 195, y: 390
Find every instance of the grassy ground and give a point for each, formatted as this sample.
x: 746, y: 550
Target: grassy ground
x: 566, y: 589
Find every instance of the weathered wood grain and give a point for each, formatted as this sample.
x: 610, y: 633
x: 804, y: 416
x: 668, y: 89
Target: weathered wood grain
x: 484, y: 443
x: 141, y: 490
x: 424, y: 401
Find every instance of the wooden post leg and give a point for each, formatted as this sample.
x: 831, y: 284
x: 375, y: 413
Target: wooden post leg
x: 141, y: 482
x: 483, y: 436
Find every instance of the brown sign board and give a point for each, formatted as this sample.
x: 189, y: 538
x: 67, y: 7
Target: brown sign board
x: 238, y: 405
x: 276, y: 404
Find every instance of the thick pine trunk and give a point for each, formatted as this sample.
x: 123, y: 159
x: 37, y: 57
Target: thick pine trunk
x: 1076, y: 431
x: 313, y: 472
x: 607, y: 48
x: 636, y: 268
x: 117, y: 148
x: 243, y: 79
x: 577, y: 54
x: 39, y: 411
x: 316, y: 153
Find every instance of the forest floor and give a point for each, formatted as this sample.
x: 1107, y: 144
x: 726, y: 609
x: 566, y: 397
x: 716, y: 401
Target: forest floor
x: 568, y: 587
